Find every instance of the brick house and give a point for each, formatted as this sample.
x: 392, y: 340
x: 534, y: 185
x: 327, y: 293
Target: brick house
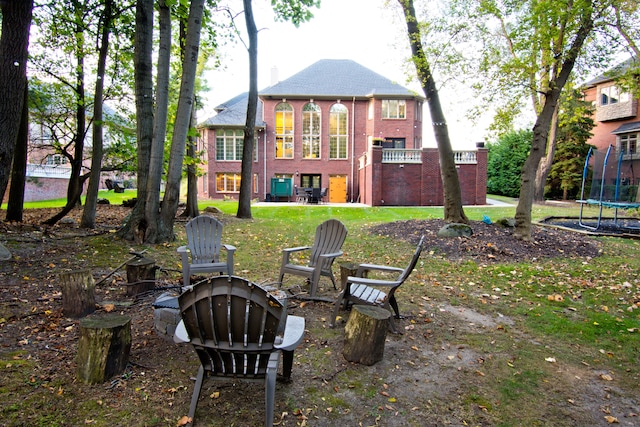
x: 338, y: 126
x: 617, y: 121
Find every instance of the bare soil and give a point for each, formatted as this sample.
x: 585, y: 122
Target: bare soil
x: 423, y: 380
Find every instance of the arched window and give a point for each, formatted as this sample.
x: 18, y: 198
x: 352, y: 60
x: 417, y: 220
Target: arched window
x: 311, y: 131
x: 338, y: 131
x: 284, y: 131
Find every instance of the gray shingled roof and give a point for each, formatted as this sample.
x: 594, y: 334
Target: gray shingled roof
x: 233, y: 113
x: 614, y: 72
x: 627, y: 127
x: 337, y: 78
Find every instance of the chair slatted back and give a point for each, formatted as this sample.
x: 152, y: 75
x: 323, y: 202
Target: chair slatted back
x: 204, y: 237
x: 232, y: 324
x: 330, y: 235
x: 412, y: 264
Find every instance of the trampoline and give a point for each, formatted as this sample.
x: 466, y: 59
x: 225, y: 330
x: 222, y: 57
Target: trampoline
x: 611, y: 184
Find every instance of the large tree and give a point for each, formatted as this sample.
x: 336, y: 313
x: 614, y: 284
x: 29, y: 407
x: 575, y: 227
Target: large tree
x: 453, y: 210
x: 530, y: 49
x: 181, y: 127
x: 14, y: 42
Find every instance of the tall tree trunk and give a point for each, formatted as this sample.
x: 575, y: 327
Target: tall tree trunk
x: 182, y: 123
x: 547, y: 161
x: 453, y: 210
x: 91, y: 202
x: 135, y: 228
x: 191, y: 209
x: 156, y: 161
x: 14, y: 43
x: 246, y: 181
x: 76, y: 180
x: 541, y: 130
x: 19, y: 166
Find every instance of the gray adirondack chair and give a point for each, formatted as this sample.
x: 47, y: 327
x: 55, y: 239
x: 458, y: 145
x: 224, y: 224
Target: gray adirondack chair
x: 204, y: 236
x: 359, y: 289
x: 330, y: 235
x: 238, y: 331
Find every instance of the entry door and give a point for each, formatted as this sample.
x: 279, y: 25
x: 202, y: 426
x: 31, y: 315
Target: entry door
x: 338, y: 189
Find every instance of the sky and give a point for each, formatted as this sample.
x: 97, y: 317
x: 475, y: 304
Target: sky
x: 361, y: 30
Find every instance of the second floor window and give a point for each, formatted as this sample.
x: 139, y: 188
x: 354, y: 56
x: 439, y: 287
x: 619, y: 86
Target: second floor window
x: 611, y: 95
x: 229, y: 144
x: 284, y: 131
x: 311, y: 131
x: 338, y: 133
x: 394, y: 109
x: 56, y: 160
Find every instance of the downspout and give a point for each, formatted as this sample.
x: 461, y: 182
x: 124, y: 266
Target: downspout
x: 264, y: 165
x: 353, y: 144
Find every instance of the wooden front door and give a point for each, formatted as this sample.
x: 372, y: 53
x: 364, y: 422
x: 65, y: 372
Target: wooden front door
x: 338, y: 189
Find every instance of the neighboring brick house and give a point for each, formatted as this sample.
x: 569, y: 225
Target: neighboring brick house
x: 339, y: 126
x: 617, y: 120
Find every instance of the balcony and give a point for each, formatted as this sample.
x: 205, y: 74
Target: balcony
x: 399, y: 155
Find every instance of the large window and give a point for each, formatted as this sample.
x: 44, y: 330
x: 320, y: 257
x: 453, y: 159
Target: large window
x: 229, y: 144
x: 612, y: 95
x: 230, y: 183
x: 284, y: 131
x: 311, y: 131
x: 338, y: 131
x: 394, y: 109
x: 629, y: 143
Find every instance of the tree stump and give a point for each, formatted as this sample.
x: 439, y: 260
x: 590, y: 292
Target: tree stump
x: 347, y: 269
x: 141, y: 276
x: 103, y: 349
x: 365, y: 333
x: 78, y: 297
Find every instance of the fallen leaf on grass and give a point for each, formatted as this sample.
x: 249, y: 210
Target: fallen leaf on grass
x: 550, y: 359
x: 611, y: 420
x: 606, y: 377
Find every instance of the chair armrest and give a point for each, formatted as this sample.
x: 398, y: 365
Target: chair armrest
x: 362, y: 268
x: 180, y: 335
x: 296, y: 249
x: 293, y: 333
x: 183, y: 249
x: 229, y: 248
x: 332, y: 255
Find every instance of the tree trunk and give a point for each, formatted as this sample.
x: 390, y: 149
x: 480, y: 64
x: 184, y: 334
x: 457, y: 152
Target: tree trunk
x: 541, y: 130
x: 135, y: 228
x: 547, y: 161
x: 246, y: 181
x: 453, y: 211
x: 156, y: 160
x: 76, y: 181
x: 88, y: 219
x: 14, y: 42
x: 78, y: 298
x: 182, y: 123
x: 365, y: 333
x: 191, y: 210
x: 103, y: 348
x: 19, y: 167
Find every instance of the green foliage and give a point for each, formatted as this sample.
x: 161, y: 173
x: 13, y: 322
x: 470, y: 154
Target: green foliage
x: 504, y: 165
x: 574, y: 130
x: 296, y: 11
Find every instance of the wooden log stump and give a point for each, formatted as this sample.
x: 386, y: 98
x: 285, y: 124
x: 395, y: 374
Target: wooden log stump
x: 347, y: 269
x: 141, y: 276
x: 103, y: 349
x: 78, y: 298
x: 365, y: 333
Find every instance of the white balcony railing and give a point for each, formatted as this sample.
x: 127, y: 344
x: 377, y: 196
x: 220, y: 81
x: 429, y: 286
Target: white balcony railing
x: 399, y: 155
x: 47, y: 171
x: 465, y: 157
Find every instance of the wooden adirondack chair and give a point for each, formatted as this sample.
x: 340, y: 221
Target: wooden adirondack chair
x: 204, y: 235
x: 238, y: 331
x: 363, y: 290
x: 330, y: 235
